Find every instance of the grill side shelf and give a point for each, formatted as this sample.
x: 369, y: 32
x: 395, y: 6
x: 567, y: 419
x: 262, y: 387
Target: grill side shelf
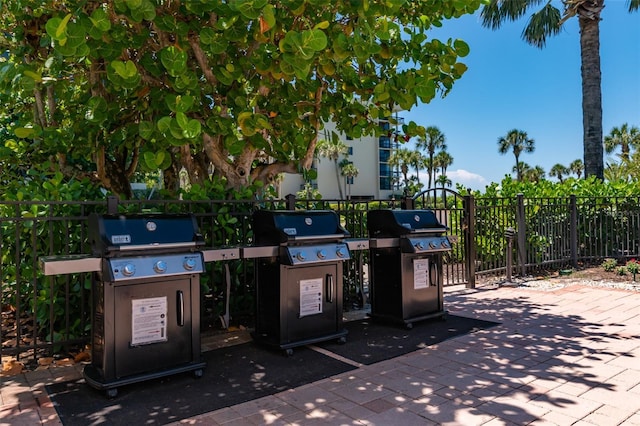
x: 70, y: 264
x: 215, y: 255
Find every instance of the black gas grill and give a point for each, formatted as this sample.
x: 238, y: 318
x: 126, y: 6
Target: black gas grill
x: 298, y: 277
x: 146, y: 319
x: 406, y: 265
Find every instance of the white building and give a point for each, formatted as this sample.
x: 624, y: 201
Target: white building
x: 370, y: 155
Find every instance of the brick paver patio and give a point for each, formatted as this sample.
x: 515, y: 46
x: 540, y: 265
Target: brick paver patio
x: 562, y: 357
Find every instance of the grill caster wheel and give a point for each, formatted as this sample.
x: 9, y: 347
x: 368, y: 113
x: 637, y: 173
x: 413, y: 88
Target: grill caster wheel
x: 198, y: 373
x: 112, y: 393
x: 408, y: 326
x: 288, y: 352
x: 342, y: 340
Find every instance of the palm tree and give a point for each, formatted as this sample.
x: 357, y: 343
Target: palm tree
x: 624, y: 137
x: 418, y: 161
x: 333, y: 149
x: 577, y: 167
x: 530, y: 174
x: 518, y: 142
x: 547, y: 22
x: 349, y: 171
x: 559, y: 171
x: 442, y: 161
x: 401, y: 158
x: 444, y: 180
x: 433, y: 141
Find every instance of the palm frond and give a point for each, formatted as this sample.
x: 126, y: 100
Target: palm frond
x: 542, y: 24
x: 495, y: 12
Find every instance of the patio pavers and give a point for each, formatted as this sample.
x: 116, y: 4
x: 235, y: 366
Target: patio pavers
x: 564, y: 356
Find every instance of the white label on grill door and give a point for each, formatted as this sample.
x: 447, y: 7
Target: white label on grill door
x: 148, y: 320
x: 310, y: 297
x: 421, y: 273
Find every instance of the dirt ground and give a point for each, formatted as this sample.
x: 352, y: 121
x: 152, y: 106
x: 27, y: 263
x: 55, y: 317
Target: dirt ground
x: 597, y: 273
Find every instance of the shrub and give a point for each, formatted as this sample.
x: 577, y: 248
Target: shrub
x: 609, y: 265
x: 621, y: 270
x: 633, y: 267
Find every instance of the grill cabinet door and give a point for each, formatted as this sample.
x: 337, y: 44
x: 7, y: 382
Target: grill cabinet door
x: 311, y: 300
x: 137, y: 348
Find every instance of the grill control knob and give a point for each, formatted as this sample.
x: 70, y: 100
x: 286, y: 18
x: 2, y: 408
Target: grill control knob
x: 160, y: 266
x: 301, y: 256
x: 444, y: 244
x: 340, y: 252
x: 432, y: 245
x: 189, y: 264
x: 419, y: 245
x: 322, y: 254
x: 129, y: 269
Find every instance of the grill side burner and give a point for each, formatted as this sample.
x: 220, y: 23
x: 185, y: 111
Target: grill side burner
x: 299, y: 285
x: 406, y: 281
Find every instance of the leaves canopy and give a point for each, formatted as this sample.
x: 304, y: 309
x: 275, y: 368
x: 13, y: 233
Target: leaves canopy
x: 240, y: 87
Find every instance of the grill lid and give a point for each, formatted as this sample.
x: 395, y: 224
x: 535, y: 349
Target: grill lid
x: 283, y: 226
x: 400, y: 223
x: 112, y: 234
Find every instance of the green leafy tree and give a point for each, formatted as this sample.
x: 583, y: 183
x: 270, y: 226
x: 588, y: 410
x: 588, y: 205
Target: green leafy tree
x: 239, y: 89
x: 516, y: 141
x: 432, y: 141
x: 548, y: 21
x: 332, y: 149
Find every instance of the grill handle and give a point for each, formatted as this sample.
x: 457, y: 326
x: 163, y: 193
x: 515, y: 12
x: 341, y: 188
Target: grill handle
x: 329, y: 284
x: 180, y: 307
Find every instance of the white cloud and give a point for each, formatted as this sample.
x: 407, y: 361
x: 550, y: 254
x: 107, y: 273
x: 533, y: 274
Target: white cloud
x: 463, y: 177
x: 467, y: 179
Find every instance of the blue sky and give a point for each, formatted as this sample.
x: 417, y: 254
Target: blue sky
x: 512, y: 85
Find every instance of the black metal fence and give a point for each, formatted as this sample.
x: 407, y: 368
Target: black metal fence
x: 46, y: 315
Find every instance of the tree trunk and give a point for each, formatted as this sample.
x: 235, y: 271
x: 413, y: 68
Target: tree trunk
x: 591, y: 95
x: 335, y: 163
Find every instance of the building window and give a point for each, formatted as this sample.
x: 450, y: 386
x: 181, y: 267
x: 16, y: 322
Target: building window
x: 384, y: 155
x: 385, y: 182
x: 350, y: 150
x: 349, y: 180
x: 384, y: 142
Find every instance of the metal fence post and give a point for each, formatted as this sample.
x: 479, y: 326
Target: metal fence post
x: 291, y: 201
x: 522, y: 235
x: 112, y: 204
x: 469, y: 229
x: 407, y: 203
x: 509, y: 234
x: 573, y: 230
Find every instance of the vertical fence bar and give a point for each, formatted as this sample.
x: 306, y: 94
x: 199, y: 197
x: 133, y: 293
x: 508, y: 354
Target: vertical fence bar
x: 573, y: 230
x: 469, y: 239
x: 522, y: 235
